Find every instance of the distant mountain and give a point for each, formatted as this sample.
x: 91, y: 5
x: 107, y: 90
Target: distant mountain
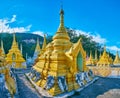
x: 27, y: 40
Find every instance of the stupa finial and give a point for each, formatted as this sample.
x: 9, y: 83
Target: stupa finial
x: 37, y: 46
x: 14, y: 43
x: 2, y: 48
x: 61, y: 16
x: 90, y: 54
x: 44, y: 42
x: 104, y: 48
x: 21, y: 48
x: 96, y: 54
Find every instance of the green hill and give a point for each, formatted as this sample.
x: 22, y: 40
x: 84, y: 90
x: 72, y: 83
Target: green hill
x: 28, y: 41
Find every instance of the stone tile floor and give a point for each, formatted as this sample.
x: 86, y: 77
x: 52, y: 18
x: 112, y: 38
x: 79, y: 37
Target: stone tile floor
x: 99, y: 87
x: 25, y: 89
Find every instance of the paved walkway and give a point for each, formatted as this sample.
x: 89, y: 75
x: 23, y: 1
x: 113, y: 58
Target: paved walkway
x: 4, y: 93
x: 100, y: 86
x: 25, y: 89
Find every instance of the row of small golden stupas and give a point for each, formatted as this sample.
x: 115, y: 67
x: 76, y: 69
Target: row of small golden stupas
x: 104, y: 59
x: 15, y: 57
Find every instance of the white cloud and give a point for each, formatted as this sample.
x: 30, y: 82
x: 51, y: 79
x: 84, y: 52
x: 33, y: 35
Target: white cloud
x: 13, y: 18
x: 39, y: 33
x: 78, y: 32
x: 97, y: 38
x: 22, y: 29
x: 29, y: 41
x: 113, y: 48
x: 5, y: 26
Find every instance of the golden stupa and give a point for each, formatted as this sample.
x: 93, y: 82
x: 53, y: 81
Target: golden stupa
x: 90, y: 61
x: 96, y: 58
x: 105, y: 66
x: 44, y: 44
x: 21, y: 48
x: 2, y: 60
x: 110, y: 59
x: 60, y: 64
x: 2, y: 49
x: 104, y: 59
x: 104, y: 63
x: 117, y: 59
x: 14, y: 57
x: 37, y: 50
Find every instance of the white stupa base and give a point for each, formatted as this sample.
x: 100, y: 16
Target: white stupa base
x: 43, y: 92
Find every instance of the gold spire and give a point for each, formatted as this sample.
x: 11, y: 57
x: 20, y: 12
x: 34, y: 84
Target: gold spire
x: 61, y: 18
x: 37, y: 49
x: 2, y: 48
x: 61, y: 37
x: 117, y: 59
x: 21, y: 48
x: 14, y: 38
x: 117, y: 55
x: 61, y: 28
x: 104, y: 52
x: 110, y: 58
x: 100, y: 55
x: 108, y: 54
x: 44, y: 43
x: 90, y: 61
x: 14, y: 44
x: 91, y: 55
x: 96, y: 54
x: 104, y: 48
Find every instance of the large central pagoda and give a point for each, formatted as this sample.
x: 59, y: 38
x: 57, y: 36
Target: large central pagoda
x: 61, y: 66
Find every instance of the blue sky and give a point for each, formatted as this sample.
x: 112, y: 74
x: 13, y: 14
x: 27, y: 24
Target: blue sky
x: 98, y: 18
